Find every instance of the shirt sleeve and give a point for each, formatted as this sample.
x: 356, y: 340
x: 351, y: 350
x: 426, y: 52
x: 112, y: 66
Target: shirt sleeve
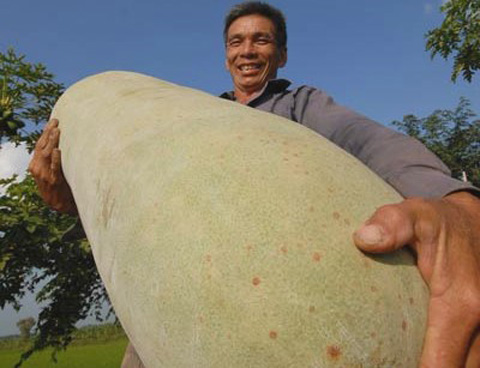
x: 400, y: 160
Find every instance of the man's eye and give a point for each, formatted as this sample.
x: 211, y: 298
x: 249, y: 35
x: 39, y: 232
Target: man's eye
x: 234, y: 43
x: 263, y: 41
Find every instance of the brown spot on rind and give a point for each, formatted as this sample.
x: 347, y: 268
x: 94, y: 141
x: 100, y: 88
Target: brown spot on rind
x: 316, y: 257
x: 311, y: 309
x: 336, y: 215
x: 404, y: 325
x: 346, y: 222
x: 334, y: 352
x: 284, y: 249
x: 273, y: 335
x: 256, y: 281
x: 208, y: 258
x: 411, y: 300
x: 373, y: 289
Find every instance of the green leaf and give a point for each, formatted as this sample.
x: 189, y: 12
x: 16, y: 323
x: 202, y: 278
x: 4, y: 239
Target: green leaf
x: 12, y: 125
x: 458, y: 36
x: 31, y: 228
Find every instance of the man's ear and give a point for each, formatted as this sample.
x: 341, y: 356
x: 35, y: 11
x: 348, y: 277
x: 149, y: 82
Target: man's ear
x: 227, y: 64
x: 283, y: 57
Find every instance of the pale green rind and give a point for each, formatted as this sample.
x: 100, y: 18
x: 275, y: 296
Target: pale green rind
x: 223, y: 234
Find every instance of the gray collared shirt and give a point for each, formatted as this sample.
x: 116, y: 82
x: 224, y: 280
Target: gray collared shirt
x: 402, y: 161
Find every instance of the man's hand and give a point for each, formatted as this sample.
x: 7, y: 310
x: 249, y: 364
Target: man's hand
x: 46, y: 169
x: 445, y: 234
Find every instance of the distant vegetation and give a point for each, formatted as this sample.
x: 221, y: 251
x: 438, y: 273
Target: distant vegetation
x: 92, y: 346
x: 25, y: 326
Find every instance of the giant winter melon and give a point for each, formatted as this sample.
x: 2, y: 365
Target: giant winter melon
x: 223, y: 234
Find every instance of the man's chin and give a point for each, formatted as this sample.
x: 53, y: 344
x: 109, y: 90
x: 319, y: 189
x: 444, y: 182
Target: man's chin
x: 252, y: 85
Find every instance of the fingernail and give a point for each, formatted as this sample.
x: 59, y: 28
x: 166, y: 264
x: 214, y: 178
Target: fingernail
x: 370, y: 234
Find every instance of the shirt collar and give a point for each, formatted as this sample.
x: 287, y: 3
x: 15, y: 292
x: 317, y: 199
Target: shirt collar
x: 271, y: 87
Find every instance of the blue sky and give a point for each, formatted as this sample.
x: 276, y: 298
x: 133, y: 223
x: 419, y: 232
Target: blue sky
x: 369, y: 55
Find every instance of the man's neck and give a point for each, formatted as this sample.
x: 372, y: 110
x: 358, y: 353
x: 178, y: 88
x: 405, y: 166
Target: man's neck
x: 245, y: 97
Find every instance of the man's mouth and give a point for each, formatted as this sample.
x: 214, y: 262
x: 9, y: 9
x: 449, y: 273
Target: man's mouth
x: 249, y: 67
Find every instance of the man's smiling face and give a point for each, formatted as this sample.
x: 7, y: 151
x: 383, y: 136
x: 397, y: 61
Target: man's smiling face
x: 253, y: 55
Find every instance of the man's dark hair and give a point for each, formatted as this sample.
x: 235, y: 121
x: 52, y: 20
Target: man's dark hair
x: 263, y: 9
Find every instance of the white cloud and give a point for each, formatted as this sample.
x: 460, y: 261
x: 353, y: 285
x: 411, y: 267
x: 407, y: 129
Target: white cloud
x: 428, y: 8
x: 13, y: 160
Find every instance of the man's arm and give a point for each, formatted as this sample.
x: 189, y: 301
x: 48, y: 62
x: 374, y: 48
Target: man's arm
x: 403, y: 162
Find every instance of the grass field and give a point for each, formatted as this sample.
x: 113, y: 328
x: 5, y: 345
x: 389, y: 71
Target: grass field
x: 97, y: 352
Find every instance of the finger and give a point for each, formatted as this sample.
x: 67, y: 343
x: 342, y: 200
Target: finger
x: 56, y: 165
x: 52, y: 142
x: 473, y: 359
x: 42, y: 154
x: 43, y: 140
x: 448, y: 334
x: 391, y: 227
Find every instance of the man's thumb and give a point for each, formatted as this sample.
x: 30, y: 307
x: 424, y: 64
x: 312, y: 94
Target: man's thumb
x: 391, y: 227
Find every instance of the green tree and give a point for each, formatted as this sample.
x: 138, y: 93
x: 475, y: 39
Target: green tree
x: 27, y: 95
x: 458, y: 35
x: 25, y: 326
x: 453, y: 135
x: 34, y: 250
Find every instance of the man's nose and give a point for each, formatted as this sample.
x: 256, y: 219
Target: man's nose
x: 248, y: 49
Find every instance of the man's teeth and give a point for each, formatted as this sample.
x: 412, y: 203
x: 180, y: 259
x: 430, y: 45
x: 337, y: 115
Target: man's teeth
x: 249, y: 67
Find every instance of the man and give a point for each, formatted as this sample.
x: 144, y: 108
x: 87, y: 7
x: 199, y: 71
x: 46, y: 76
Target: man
x: 443, y: 231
